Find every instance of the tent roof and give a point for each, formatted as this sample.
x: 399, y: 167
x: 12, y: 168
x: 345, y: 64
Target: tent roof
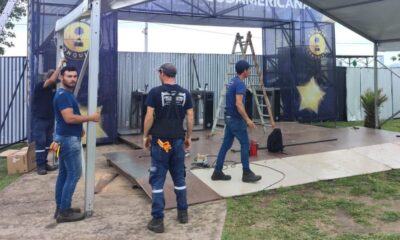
x: 376, y: 20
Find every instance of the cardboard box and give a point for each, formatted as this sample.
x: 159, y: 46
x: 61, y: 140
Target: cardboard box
x: 22, y: 161
x: 8, y: 152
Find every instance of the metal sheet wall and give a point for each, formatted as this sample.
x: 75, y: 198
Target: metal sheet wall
x: 358, y: 80
x: 14, y: 129
x: 136, y: 69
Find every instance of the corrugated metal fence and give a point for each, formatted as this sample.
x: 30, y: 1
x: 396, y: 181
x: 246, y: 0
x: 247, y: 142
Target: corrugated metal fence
x: 358, y: 80
x: 13, y: 100
x: 137, y: 69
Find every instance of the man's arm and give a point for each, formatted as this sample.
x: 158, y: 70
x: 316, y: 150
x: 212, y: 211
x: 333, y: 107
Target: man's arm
x: 148, y: 121
x: 189, y: 122
x: 242, y: 111
x: 52, y: 80
x: 71, y: 118
x: 189, y: 127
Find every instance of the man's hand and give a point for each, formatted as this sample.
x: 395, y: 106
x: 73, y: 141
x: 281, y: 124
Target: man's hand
x: 54, y: 147
x: 251, y: 124
x: 61, y: 63
x: 146, y: 143
x: 95, y: 117
x: 188, y: 143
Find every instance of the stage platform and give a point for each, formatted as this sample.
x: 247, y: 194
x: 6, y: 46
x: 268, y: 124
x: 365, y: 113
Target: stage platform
x: 346, y: 148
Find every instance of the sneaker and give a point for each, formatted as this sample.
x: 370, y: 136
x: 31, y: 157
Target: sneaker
x: 41, y: 170
x: 219, y: 175
x: 156, y: 225
x: 183, y: 216
x: 69, y: 216
x: 76, y: 210
x: 249, y: 176
x: 50, y: 168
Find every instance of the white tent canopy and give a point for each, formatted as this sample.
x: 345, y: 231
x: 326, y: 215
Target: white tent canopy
x: 376, y: 20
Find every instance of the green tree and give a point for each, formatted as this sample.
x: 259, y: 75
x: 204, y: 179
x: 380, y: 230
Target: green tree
x: 368, y: 103
x: 7, y: 34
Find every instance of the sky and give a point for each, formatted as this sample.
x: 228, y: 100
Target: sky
x: 199, y: 39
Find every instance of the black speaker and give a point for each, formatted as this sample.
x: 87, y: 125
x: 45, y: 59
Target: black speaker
x: 203, y: 107
x: 138, y: 111
x: 208, y: 110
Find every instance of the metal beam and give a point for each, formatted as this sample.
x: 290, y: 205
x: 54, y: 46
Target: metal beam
x: 6, y: 13
x: 376, y: 85
x: 94, y: 50
x: 117, y: 4
x: 77, y: 13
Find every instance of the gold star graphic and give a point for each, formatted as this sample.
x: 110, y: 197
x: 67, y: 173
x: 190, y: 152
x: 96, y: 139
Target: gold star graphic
x: 311, y: 96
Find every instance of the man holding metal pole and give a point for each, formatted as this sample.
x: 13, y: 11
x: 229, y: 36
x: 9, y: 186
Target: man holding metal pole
x: 67, y: 141
x: 43, y: 118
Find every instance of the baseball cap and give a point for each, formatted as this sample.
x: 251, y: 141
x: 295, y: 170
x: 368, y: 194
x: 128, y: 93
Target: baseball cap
x: 242, y: 65
x: 168, y: 69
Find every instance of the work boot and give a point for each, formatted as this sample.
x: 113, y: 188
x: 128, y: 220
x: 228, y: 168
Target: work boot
x: 41, y: 170
x: 50, y: 168
x: 69, y: 215
x: 76, y: 210
x: 249, y: 176
x: 219, y: 175
x: 156, y: 225
x: 183, y: 216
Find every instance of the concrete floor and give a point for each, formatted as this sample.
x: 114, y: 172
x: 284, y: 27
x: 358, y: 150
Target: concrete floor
x: 121, y: 212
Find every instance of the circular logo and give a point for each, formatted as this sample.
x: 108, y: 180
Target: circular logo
x: 76, y: 40
x: 317, y: 44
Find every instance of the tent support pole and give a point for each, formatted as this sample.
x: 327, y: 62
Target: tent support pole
x: 376, y: 85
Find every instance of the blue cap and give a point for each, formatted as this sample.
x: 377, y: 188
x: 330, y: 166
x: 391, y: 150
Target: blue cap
x: 242, y: 65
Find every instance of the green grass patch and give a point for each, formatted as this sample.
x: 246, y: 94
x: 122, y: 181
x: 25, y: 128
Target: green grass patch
x: 390, y: 216
x: 315, y: 211
x: 392, y: 125
x: 6, y: 179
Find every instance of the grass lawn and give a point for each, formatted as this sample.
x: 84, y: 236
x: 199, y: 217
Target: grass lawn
x: 392, y: 125
x: 5, y: 179
x: 357, y: 208
x: 361, y: 207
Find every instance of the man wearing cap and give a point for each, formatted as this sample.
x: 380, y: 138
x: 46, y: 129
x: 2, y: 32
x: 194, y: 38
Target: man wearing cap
x: 167, y: 106
x: 43, y: 118
x: 236, y: 122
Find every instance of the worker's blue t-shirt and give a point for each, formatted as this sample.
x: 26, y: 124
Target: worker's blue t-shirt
x: 234, y: 87
x: 65, y: 99
x: 42, y: 106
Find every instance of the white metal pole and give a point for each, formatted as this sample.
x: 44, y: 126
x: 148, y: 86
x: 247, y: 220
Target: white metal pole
x: 146, y: 37
x: 95, y: 20
x: 376, y: 84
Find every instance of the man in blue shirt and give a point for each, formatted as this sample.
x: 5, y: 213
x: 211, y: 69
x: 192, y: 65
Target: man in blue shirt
x: 169, y: 103
x: 43, y: 118
x: 236, y: 122
x: 68, y: 138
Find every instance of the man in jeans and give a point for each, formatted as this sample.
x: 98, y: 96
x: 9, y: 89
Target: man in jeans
x: 170, y: 103
x: 43, y: 118
x: 68, y: 138
x: 236, y: 122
